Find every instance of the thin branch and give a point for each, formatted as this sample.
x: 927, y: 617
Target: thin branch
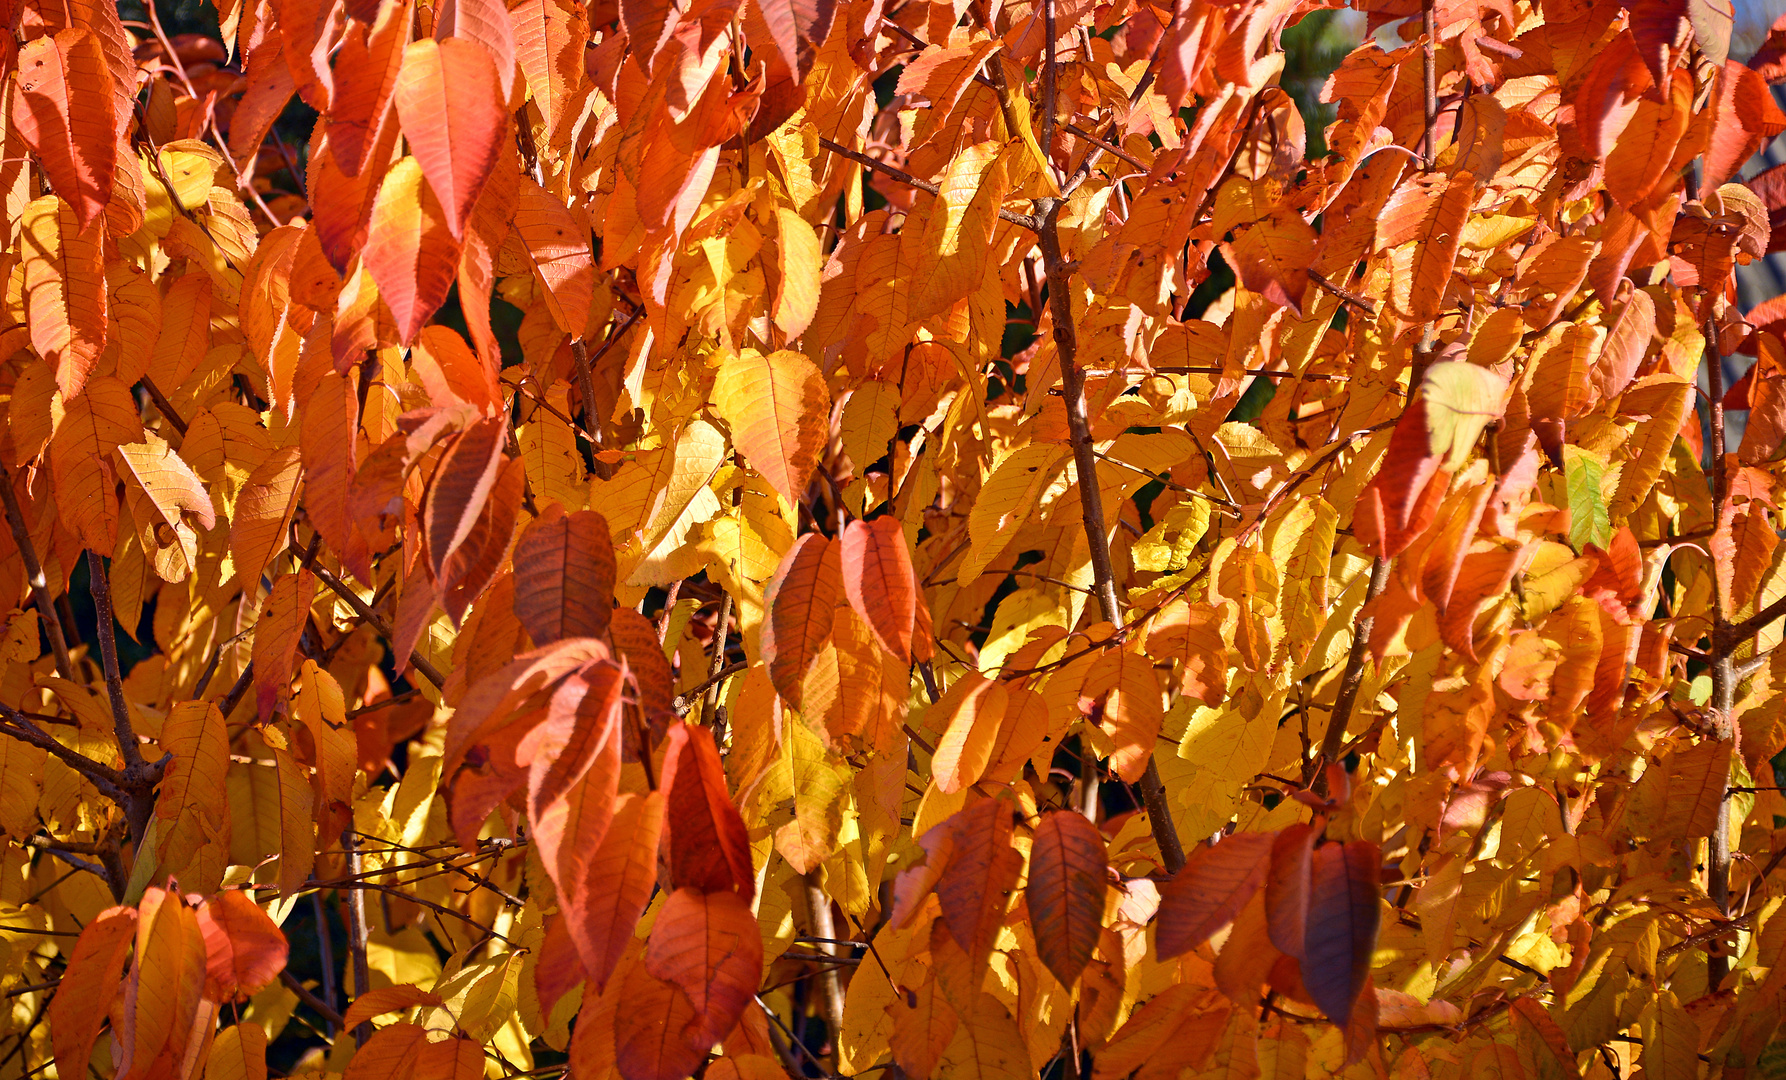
x: 305, y: 995
x: 109, y: 782
x: 904, y: 177
x: 339, y: 588
x: 1334, y: 739
x: 1362, y: 303
x: 163, y: 405
x: 40, y: 588
x: 685, y: 701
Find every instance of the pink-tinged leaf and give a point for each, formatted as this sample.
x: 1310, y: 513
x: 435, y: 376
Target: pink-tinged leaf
x: 65, y: 121
x: 709, y: 848
x: 800, y: 602
x: 1341, y: 933
x: 1068, y: 878
x: 1206, y: 895
x: 276, y: 638
x: 564, y: 576
x: 453, y: 117
x: 882, y: 588
x: 244, y: 948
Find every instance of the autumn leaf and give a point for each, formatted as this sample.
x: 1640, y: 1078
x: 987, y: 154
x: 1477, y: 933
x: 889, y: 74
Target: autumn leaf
x: 1065, y: 892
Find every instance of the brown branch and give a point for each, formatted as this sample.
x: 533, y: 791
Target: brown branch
x: 308, y: 560
x: 908, y: 179
x: 40, y: 587
x: 106, y: 779
x: 355, y: 902
x: 1351, y: 678
x: 1362, y: 303
x: 305, y: 995
x: 1072, y: 378
x: 163, y: 405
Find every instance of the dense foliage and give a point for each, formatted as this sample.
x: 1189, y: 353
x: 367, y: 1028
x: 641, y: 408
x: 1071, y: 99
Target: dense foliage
x: 829, y: 536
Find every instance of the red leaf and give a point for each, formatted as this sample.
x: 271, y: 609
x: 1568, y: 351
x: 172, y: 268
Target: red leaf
x: 1746, y: 118
x: 800, y: 600
x: 1287, y: 888
x: 882, y: 588
x: 1341, y: 932
x: 559, y: 969
x: 244, y: 948
x: 1209, y: 892
x: 709, y: 849
x: 1065, y: 893
x: 453, y: 117
x: 564, y: 576
x: 462, y: 482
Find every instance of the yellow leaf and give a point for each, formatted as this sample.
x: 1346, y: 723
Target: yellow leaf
x: 778, y: 408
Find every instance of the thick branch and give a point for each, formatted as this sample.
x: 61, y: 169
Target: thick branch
x: 1091, y: 506
x: 1352, y: 677
x: 40, y: 587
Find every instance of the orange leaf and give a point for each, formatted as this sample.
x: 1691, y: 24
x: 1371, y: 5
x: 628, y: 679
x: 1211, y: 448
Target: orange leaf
x: 244, y: 948
x: 882, y: 588
x: 574, y: 769
x: 981, y: 871
x: 72, y: 131
x: 649, y: 1027
x: 410, y: 250
x: 1272, y: 258
x: 65, y: 293
x: 385, y: 999
x: 708, y: 945
x: 1429, y: 211
x: 973, y: 709
x: 549, y: 37
x: 1065, y: 893
x: 801, y: 603
x: 778, y: 408
x: 91, y: 978
x: 1216, y: 882
x: 461, y: 486
x: 709, y: 848
x: 192, y: 798
x: 366, y: 71
x: 564, y: 576
x: 1132, y: 714
x: 239, y: 1052
x: 276, y: 638
x: 556, y: 238
x: 453, y: 117
x: 608, y: 888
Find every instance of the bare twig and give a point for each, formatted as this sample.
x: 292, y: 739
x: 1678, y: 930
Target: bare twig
x: 818, y: 908
x: 139, y: 777
x: 908, y: 179
x: 364, y: 611
x: 40, y: 587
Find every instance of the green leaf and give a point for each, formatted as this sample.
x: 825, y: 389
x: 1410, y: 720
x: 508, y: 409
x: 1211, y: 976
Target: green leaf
x: 1589, y: 521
